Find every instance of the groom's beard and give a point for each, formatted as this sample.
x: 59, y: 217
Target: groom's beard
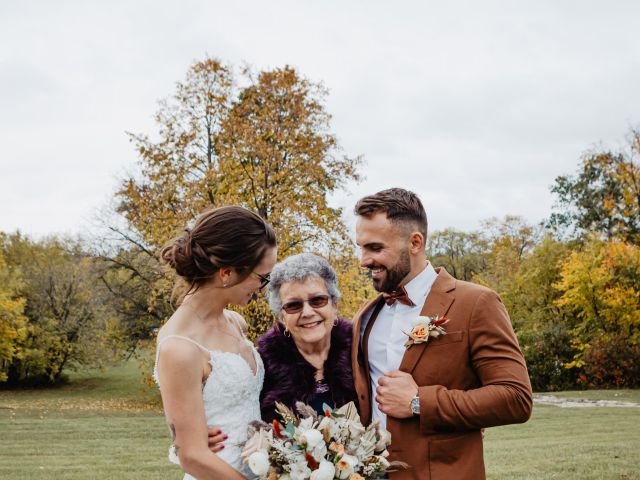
x: 394, y: 275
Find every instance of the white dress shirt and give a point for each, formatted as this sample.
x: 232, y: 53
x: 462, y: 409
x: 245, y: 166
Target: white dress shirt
x: 387, y: 338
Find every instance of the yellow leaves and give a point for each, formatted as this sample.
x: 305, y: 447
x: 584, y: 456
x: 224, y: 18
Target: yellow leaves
x: 354, y: 284
x: 509, y: 239
x: 259, y: 140
x: 85, y: 405
x: 600, y: 284
x: 576, y: 363
x: 64, y: 320
x: 13, y: 322
x: 265, y: 146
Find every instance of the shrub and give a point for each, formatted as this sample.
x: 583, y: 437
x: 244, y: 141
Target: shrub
x: 611, y: 363
x: 546, y: 353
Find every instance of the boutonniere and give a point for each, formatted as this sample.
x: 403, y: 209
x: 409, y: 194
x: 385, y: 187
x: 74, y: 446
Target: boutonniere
x: 424, y: 328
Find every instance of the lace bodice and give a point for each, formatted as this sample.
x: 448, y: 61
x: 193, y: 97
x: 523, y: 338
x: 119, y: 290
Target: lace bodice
x: 231, y: 397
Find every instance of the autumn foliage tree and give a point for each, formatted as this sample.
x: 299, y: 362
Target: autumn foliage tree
x: 13, y: 322
x: 260, y: 140
x: 600, y: 284
x: 510, y: 239
x: 281, y: 160
x: 604, y: 195
x: 59, y: 317
x: 179, y: 173
x: 600, y: 287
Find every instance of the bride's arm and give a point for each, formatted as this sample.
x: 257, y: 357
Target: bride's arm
x: 180, y: 375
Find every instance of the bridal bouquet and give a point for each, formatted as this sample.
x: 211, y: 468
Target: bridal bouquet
x: 305, y: 446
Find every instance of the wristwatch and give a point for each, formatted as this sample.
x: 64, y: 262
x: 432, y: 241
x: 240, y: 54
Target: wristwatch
x: 415, y: 405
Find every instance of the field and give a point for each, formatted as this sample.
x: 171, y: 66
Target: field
x: 105, y: 425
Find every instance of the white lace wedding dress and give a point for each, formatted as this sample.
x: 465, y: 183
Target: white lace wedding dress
x: 231, y: 396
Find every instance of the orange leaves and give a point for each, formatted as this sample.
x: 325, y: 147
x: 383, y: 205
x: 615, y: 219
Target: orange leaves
x: 257, y: 139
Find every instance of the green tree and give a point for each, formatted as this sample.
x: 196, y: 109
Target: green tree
x: 542, y: 326
x: 67, y: 313
x: 532, y: 295
x: 462, y: 254
x: 510, y: 240
x: 13, y: 322
x: 604, y: 195
x: 138, y: 291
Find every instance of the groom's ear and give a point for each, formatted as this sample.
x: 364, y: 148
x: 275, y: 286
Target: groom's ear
x: 416, y: 243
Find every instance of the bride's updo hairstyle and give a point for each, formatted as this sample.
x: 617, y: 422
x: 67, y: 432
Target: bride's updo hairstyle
x: 222, y: 237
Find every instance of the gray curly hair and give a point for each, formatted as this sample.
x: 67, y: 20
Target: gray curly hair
x: 298, y: 268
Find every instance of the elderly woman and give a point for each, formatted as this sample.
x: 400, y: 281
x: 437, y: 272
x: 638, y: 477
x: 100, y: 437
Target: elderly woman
x: 306, y: 354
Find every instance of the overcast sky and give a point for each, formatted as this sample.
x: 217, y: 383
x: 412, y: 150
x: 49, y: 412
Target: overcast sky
x: 476, y: 106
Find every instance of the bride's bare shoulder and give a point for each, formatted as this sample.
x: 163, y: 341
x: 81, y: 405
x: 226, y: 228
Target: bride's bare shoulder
x: 238, y: 319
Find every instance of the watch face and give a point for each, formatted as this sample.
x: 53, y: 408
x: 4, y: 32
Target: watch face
x: 415, y: 405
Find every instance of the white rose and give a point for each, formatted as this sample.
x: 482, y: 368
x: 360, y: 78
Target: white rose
x: 345, y: 466
x: 326, y: 471
x: 259, y: 463
x: 306, y: 423
x: 319, y: 451
x: 260, y: 441
x: 311, y: 438
x: 299, y: 470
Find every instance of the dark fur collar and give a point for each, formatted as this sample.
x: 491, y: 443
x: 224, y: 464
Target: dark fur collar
x: 290, y: 378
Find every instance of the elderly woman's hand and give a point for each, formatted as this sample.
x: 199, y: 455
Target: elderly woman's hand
x: 216, y: 437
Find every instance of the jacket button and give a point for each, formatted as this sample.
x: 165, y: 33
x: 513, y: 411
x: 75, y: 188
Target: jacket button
x: 361, y: 397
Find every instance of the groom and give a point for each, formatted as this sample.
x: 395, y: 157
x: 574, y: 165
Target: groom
x: 434, y: 396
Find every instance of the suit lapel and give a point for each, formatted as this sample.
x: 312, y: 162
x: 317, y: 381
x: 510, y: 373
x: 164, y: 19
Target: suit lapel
x: 367, y: 331
x: 437, y: 303
x: 357, y: 325
x: 361, y: 362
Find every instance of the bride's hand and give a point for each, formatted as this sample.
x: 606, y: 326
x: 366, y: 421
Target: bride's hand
x: 216, y: 437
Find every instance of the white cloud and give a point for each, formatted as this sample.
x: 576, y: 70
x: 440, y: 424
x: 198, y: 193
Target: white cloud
x: 477, y: 106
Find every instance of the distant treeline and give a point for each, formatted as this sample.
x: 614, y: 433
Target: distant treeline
x: 571, y: 284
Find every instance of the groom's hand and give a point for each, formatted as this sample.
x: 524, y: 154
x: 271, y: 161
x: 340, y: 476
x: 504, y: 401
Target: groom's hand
x: 394, y: 393
x: 216, y: 437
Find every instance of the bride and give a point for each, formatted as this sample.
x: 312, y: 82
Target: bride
x: 208, y: 371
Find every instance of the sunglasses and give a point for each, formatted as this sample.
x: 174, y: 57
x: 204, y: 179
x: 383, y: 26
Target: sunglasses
x: 296, y: 306
x: 264, y: 279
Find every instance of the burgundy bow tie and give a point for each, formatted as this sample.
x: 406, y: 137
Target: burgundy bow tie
x: 400, y: 295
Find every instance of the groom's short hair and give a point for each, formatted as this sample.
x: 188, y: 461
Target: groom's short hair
x: 401, y: 207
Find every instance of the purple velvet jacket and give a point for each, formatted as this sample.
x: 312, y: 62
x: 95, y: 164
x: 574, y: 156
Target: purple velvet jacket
x: 290, y: 378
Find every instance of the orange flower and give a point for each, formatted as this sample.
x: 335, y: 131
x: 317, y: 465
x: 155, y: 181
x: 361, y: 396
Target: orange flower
x: 336, y: 448
x: 277, y: 429
x: 419, y: 333
x: 425, y: 327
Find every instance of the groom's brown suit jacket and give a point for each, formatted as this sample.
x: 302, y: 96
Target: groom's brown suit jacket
x: 471, y: 378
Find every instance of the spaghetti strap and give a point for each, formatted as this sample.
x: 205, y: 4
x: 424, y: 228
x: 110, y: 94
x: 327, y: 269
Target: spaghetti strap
x: 155, y: 367
x: 184, y: 338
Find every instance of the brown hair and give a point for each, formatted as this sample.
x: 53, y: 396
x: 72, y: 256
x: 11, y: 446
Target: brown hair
x: 222, y: 237
x: 400, y: 205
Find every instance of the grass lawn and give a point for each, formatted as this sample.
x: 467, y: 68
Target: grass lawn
x: 99, y: 426
x: 567, y: 443
x: 103, y: 425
